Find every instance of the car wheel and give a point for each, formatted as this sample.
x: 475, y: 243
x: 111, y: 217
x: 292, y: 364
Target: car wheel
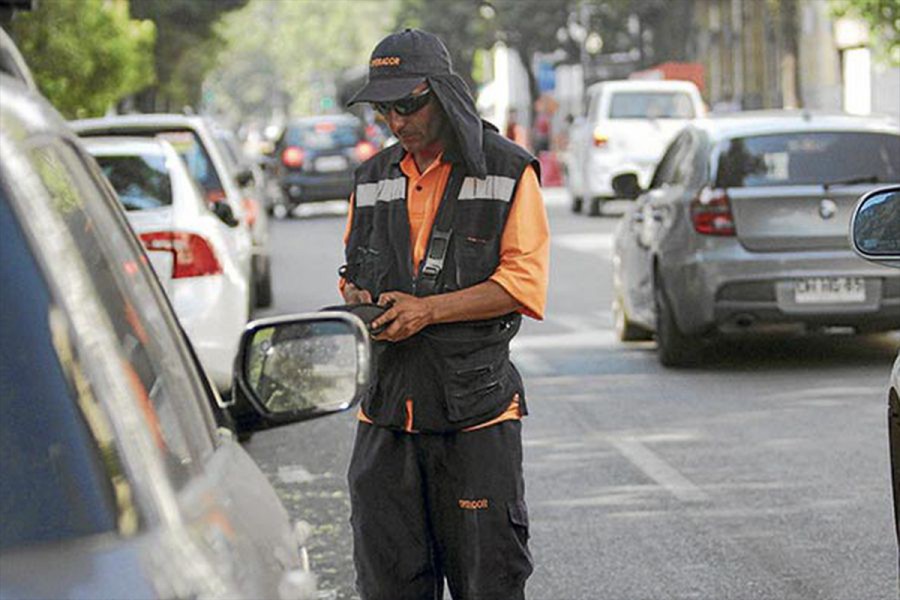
x: 595, y: 209
x: 577, y: 203
x: 626, y: 331
x: 673, y: 348
x: 281, y: 211
x: 263, y: 284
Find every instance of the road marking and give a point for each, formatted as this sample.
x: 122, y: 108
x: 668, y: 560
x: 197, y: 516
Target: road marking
x: 597, y: 338
x: 837, y: 392
x: 530, y: 363
x: 654, y: 467
x: 589, y: 243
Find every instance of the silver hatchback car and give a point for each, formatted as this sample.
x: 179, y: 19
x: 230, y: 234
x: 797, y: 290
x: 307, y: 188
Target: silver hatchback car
x: 744, y: 227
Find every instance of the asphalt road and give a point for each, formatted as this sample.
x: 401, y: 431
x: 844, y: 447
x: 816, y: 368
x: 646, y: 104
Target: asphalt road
x: 761, y: 475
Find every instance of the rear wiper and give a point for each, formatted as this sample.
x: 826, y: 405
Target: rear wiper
x: 851, y: 181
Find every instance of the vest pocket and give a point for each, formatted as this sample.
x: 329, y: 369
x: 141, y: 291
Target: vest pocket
x: 476, y: 259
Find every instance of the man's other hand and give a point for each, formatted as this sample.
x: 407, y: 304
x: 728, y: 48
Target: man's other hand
x: 355, y: 295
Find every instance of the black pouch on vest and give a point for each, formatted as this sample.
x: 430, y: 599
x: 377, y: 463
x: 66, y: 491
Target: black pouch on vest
x: 473, y: 366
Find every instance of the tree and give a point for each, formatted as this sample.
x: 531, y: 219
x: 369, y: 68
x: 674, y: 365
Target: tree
x: 85, y: 54
x: 883, y: 17
x: 186, y: 48
x: 292, y: 53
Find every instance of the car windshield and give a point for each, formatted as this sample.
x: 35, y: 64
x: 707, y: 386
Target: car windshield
x: 805, y: 158
x: 140, y: 180
x: 651, y: 105
x: 323, y: 135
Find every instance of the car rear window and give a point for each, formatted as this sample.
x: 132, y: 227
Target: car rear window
x: 810, y: 158
x: 325, y: 135
x: 141, y: 181
x: 651, y: 105
x: 197, y: 159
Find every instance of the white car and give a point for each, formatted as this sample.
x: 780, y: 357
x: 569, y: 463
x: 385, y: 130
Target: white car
x: 628, y: 126
x: 192, y: 249
x: 193, y: 138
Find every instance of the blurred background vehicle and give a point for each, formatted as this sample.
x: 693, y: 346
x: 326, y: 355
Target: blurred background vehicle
x: 744, y: 227
x: 193, y: 139
x: 875, y: 236
x: 317, y: 158
x: 187, y: 244
x: 251, y: 178
x: 117, y: 483
x: 627, y: 128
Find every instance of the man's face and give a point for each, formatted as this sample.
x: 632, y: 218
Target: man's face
x: 421, y: 129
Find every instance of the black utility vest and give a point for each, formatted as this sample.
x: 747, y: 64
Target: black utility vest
x: 457, y: 374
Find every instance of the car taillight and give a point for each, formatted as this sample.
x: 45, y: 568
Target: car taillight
x: 193, y: 255
x: 251, y: 210
x: 365, y: 150
x: 711, y: 213
x: 600, y: 140
x: 292, y: 156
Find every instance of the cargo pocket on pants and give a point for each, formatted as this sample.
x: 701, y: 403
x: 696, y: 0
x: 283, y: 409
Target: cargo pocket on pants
x: 521, y: 564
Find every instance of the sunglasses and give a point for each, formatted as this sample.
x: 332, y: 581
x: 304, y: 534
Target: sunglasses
x: 404, y: 106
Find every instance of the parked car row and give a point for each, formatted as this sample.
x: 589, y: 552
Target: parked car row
x: 209, y: 240
x: 117, y: 482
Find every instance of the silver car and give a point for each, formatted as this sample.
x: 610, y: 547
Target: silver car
x: 116, y: 480
x: 744, y: 227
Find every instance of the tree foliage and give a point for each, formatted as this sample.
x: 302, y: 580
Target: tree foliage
x: 85, y: 54
x: 186, y: 47
x: 291, y: 53
x: 883, y: 17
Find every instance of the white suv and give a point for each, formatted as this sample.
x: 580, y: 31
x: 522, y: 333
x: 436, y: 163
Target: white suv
x: 628, y: 127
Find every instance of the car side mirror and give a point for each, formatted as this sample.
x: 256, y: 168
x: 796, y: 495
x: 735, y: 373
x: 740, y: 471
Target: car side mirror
x: 297, y: 368
x: 875, y: 226
x: 244, y: 177
x: 222, y: 210
x: 626, y: 186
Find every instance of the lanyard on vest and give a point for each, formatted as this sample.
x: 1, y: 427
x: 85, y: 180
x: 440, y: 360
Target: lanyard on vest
x: 425, y: 283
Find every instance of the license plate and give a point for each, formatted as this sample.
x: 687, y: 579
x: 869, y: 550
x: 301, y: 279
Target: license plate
x: 829, y: 290
x: 331, y: 163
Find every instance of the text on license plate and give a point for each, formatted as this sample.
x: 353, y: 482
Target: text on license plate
x: 331, y: 163
x: 823, y: 290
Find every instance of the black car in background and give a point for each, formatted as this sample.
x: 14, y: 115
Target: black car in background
x: 317, y: 157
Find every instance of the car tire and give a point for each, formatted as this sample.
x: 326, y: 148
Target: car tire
x: 626, y: 331
x: 262, y: 297
x: 673, y: 348
x: 577, y: 204
x: 281, y: 211
x: 596, y: 207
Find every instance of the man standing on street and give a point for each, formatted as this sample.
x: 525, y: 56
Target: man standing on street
x: 447, y: 231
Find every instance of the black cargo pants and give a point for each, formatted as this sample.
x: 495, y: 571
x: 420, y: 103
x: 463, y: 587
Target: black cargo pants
x: 429, y: 506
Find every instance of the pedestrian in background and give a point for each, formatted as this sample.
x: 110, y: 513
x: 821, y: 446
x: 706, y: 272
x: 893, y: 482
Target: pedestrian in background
x: 447, y: 231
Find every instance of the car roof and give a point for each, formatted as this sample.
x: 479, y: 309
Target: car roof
x: 648, y: 85
x: 25, y: 113
x: 12, y: 63
x: 123, y: 145
x: 149, y: 121
x: 752, y: 123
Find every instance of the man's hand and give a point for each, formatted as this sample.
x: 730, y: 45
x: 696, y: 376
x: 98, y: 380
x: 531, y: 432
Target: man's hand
x: 355, y: 295
x: 405, y: 316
